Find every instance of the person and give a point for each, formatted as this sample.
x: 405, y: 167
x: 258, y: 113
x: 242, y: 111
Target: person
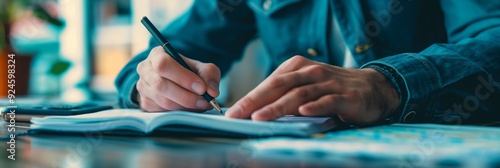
x: 365, y: 62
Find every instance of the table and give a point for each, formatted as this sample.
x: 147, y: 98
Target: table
x: 116, y: 151
x: 97, y: 150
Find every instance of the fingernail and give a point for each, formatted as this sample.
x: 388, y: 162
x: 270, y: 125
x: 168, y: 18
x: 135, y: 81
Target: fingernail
x: 214, y: 86
x: 198, y: 87
x: 201, y: 103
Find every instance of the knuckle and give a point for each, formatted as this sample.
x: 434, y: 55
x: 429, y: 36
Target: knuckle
x: 276, y: 82
x: 211, y: 67
x: 276, y: 110
x: 294, y: 62
x: 332, y: 99
x: 247, y: 102
x: 156, y: 79
x: 161, y: 66
x: 139, y: 86
x: 298, y: 58
x: 156, y: 49
x: 140, y: 67
x: 317, y: 70
x: 310, y: 111
x: 300, y: 92
x: 166, y: 103
x: 188, y: 100
x: 158, y: 86
x: 146, y: 104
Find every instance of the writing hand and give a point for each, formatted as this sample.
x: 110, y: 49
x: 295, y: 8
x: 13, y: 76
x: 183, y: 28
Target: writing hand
x: 165, y: 85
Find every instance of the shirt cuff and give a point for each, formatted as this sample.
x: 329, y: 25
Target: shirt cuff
x: 414, y: 79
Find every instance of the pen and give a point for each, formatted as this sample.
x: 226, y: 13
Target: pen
x: 170, y: 50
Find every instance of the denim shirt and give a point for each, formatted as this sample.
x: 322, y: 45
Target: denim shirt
x: 443, y: 57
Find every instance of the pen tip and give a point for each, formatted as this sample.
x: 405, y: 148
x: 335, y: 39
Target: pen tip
x: 216, y: 106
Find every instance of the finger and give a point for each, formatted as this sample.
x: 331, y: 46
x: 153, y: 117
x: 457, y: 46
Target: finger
x: 147, y: 104
x: 167, y: 103
x: 267, y: 92
x: 170, y: 90
x: 289, y: 104
x: 173, y: 92
x: 327, y: 105
x: 292, y: 64
x: 147, y: 74
x: 142, y: 90
x: 211, y: 74
x: 171, y: 105
x: 170, y: 96
x: 166, y: 67
x: 146, y: 90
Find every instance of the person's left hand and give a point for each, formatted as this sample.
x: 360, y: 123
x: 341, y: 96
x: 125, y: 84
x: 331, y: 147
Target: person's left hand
x: 303, y: 87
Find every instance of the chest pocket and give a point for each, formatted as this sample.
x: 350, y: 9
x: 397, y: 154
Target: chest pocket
x: 278, y: 23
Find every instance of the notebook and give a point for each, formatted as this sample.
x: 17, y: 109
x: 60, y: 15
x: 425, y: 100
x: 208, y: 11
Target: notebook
x: 134, y: 121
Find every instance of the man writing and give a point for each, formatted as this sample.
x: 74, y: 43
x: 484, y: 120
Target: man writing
x: 363, y: 61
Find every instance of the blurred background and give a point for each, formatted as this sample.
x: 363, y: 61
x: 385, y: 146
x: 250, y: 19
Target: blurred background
x: 72, y: 50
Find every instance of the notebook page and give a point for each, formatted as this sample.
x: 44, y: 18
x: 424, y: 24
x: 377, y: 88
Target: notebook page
x: 107, y: 115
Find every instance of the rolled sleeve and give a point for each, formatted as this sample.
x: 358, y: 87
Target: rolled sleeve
x: 414, y: 79
x: 435, y: 84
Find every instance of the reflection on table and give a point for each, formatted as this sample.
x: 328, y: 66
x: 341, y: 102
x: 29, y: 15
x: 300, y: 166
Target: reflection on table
x: 383, y: 146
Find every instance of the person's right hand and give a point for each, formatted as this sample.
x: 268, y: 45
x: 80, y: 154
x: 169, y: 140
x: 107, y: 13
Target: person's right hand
x: 165, y: 85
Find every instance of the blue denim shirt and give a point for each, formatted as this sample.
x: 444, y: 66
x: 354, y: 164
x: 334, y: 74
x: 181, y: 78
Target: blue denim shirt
x: 442, y: 56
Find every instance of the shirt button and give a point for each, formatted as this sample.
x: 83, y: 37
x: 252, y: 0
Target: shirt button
x: 361, y: 48
x: 409, y: 116
x: 312, y: 52
x: 267, y: 4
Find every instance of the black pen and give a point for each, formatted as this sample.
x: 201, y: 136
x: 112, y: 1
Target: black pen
x: 170, y: 50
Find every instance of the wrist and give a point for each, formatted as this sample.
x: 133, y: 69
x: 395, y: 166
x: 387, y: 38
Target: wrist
x: 385, y: 91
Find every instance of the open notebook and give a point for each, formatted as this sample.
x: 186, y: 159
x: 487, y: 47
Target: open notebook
x: 136, y: 121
